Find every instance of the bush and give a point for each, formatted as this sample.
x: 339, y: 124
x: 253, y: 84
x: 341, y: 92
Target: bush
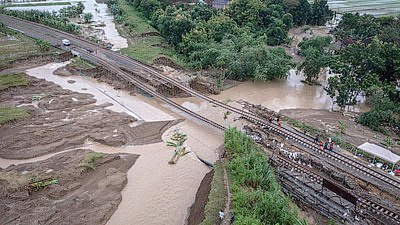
x: 257, y: 196
x: 90, y: 160
x: 50, y: 19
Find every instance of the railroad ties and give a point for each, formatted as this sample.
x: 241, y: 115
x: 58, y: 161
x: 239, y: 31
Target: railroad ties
x: 296, y: 137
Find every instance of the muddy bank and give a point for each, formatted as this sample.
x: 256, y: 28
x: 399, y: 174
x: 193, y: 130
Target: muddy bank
x: 22, y: 64
x: 63, y: 119
x: 80, y: 195
x: 196, y: 211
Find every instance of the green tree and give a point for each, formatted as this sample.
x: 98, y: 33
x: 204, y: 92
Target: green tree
x: 202, y: 12
x: 80, y: 7
x: 343, y: 88
x: 317, y: 56
x: 245, y: 11
x: 301, y: 12
x: 221, y: 25
x: 148, y: 7
x: 87, y: 17
x: 173, y: 23
x: 320, y: 13
x: 276, y: 36
x: 43, y: 45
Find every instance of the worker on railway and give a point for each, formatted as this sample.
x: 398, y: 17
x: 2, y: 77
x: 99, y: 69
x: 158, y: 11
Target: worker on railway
x: 221, y: 214
x: 270, y: 118
x: 279, y: 123
x: 316, y: 139
x: 321, y: 145
x: 331, y: 145
x: 326, y: 145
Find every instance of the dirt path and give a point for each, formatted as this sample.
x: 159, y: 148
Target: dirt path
x: 227, y: 210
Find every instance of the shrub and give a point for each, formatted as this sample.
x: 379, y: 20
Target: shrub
x: 90, y: 160
x: 257, y: 197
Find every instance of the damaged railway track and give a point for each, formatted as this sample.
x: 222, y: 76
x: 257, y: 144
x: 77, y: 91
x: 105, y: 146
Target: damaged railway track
x: 311, y: 191
x: 120, y: 64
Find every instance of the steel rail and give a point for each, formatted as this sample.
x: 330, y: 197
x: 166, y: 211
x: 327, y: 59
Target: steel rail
x: 295, y: 136
x: 363, y: 202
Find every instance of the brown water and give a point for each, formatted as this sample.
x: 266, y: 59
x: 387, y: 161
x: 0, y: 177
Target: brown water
x: 159, y: 193
x: 280, y: 94
x: 156, y: 192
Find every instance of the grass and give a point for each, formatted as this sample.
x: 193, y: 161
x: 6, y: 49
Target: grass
x: 38, y: 4
x: 302, y: 126
x: 149, y: 48
x: 144, y: 49
x: 82, y: 64
x: 89, y: 163
x: 256, y: 194
x: 217, y: 196
x: 134, y: 20
x: 17, y: 46
x: 16, y: 181
x: 11, y: 113
x: 12, y: 80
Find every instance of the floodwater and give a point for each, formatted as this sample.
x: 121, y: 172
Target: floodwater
x: 290, y: 93
x: 160, y: 193
x: 275, y: 95
x: 280, y: 94
x: 102, y: 17
x: 102, y: 20
x: 156, y: 192
x: 138, y: 106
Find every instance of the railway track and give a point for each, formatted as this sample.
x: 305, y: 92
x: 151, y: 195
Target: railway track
x: 130, y: 63
x: 130, y: 78
x: 362, y: 202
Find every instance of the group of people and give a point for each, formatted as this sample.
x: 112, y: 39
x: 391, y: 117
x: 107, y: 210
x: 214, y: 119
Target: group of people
x: 221, y: 215
x: 278, y: 119
x: 327, y: 145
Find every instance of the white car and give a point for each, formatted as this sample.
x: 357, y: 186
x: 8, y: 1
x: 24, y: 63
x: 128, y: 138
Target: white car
x: 66, y: 42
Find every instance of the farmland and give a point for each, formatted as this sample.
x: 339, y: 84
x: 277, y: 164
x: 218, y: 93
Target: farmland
x: 373, y: 7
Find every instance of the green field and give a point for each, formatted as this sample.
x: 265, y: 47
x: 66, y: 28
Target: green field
x: 145, y: 49
x: 373, y: 7
x: 15, y: 46
x: 11, y: 113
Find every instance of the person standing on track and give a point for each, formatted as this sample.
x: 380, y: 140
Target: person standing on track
x: 316, y: 139
x: 221, y: 214
x: 270, y: 118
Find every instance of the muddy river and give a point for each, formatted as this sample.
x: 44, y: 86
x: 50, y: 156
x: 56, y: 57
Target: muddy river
x: 290, y: 93
x: 156, y: 192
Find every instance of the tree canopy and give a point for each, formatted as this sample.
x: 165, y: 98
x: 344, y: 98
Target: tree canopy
x: 370, y: 64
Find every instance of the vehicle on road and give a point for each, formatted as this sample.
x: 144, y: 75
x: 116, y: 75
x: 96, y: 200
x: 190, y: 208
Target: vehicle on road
x: 66, y: 42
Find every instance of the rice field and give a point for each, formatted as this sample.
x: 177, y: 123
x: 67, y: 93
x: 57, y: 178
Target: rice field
x: 373, y: 7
